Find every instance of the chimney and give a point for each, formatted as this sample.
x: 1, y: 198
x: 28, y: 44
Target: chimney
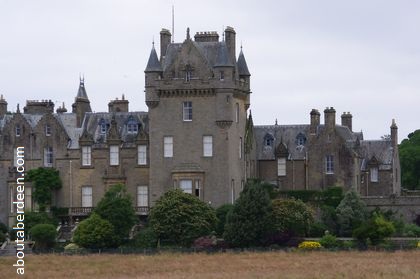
x: 394, y: 134
x: 118, y: 105
x: 346, y: 120
x: 315, y: 120
x: 210, y: 36
x: 3, y: 106
x: 329, y: 115
x: 38, y: 107
x: 230, y: 39
x: 165, y: 40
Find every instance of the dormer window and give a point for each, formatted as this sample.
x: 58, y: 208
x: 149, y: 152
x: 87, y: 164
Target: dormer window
x: 17, y: 130
x: 222, y: 75
x: 47, y: 130
x: 300, y: 139
x: 103, y: 126
x: 268, y: 140
x: 132, y: 126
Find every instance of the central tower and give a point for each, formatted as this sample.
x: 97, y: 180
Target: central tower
x: 198, y: 95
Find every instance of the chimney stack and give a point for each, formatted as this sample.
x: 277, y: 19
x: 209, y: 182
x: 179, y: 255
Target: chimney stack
x: 165, y: 40
x: 315, y: 120
x: 329, y: 115
x: 346, y: 120
x: 230, y: 38
x: 3, y: 106
x: 394, y: 134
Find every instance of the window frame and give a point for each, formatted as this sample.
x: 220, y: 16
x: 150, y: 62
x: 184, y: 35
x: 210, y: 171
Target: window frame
x: 48, y: 156
x: 329, y: 164
x: 168, y: 146
x: 86, y: 155
x: 281, y: 166
x: 47, y: 130
x: 114, y: 155
x: 207, y: 146
x: 187, y: 112
x: 18, y: 130
x: 142, y: 196
x: 142, y: 155
x: 188, y: 190
x: 87, y: 198
x: 374, y: 174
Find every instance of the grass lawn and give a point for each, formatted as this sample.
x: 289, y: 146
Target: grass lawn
x: 369, y: 265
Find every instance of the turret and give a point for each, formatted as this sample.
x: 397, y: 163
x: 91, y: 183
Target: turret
x: 3, y: 106
x: 153, y: 72
x: 81, y: 103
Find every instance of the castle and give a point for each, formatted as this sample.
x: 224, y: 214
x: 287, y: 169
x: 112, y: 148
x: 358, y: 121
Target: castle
x: 197, y: 135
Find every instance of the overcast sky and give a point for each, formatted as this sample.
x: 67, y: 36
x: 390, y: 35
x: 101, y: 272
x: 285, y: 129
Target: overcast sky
x: 357, y: 56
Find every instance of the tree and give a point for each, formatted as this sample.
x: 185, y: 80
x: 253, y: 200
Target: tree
x: 376, y: 229
x: 292, y: 216
x: 250, y: 219
x: 45, y: 180
x: 179, y: 218
x: 44, y: 235
x: 221, y: 214
x: 351, y: 213
x: 34, y: 218
x: 117, y: 208
x: 409, y: 151
x: 95, y: 233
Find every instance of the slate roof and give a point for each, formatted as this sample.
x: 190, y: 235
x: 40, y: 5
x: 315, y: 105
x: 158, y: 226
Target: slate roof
x: 242, y: 66
x: 380, y: 149
x: 223, y: 59
x: 153, y: 65
x: 81, y: 93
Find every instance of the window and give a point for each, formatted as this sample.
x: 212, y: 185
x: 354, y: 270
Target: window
x: 240, y: 148
x: 374, y: 174
x: 87, y: 196
x: 168, y: 150
x: 281, y: 166
x: 48, y: 157
x: 103, y: 126
x: 86, y: 155
x: 268, y: 140
x: 188, y: 73
x: 28, y: 198
x: 142, y: 155
x: 236, y: 112
x: 222, y: 75
x: 142, y: 196
x: 17, y: 130
x: 197, y: 188
x: 132, y: 126
x: 186, y: 185
x: 300, y: 139
x: 329, y: 164
x: 208, y: 146
x: 47, y: 130
x: 114, y: 155
x: 187, y: 111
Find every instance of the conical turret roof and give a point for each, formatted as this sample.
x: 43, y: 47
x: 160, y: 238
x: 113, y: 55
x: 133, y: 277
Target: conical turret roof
x: 153, y: 65
x: 242, y: 66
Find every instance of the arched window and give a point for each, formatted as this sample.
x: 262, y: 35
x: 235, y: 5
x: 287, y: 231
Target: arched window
x: 268, y: 140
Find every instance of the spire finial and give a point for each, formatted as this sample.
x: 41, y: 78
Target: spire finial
x: 1, y: 97
x: 188, y: 33
x: 276, y: 122
x: 241, y: 45
x: 153, y: 42
x: 223, y: 33
x: 17, y: 108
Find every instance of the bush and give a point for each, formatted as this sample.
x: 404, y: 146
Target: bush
x: 310, y: 245
x: 329, y: 241
x: 178, y: 218
x: 73, y: 248
x: 375, y: 230
x: 34, y: 218
x: 250, y: 219
x: 329, y: 219
x: 146, y: 238
x: 3, y: 228
x: 95, y: 233
x: 205, y: 242
x: 348, y: 244
x: 411, y: 230
x: 351, y: 213
x: 292, y: 216
x: 317, y: 229
x: 221, y: 214
x: 117, y: 208
x: 2, y: 237
x: 44, y: 235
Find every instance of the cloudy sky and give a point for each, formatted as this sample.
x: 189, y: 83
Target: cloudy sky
x: 357, y: 56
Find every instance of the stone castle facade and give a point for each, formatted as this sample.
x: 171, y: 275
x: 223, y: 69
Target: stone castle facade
x: 197, y: 135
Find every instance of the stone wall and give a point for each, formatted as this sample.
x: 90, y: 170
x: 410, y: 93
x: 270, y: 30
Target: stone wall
x: 407, y: 207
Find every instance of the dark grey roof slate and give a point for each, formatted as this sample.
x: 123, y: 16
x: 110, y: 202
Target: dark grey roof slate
x: 242, y: 66
x: 380, y: 149
x: 81, y: 93
x: 153, y: 65
x: 223, y: 59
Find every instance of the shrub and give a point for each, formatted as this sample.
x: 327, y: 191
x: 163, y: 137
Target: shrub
x: 317, y: 229
x: 348, y: 244
x: 329, y: 241
x: 44, y: 235
x: 179, y: 218
x: 292, y: 216
x: 329, y: 219
x: 411, y: 230
x: 95, y: 233
x: 310, y: 245
x: 376, y: 229
x: 73, y: 248
x: 117, y: 208
x: 205, y: 242
x: 3, y: 228
x: 34, y: 218
x: 351, y: 213
x: 146, y: 238
x: 418, y: 244
x: 2, y: 237
x: 221, y: 213
x: 250, y: 219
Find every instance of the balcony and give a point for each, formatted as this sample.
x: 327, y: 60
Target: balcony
x: 141, y: 210
x: 85, y: 211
